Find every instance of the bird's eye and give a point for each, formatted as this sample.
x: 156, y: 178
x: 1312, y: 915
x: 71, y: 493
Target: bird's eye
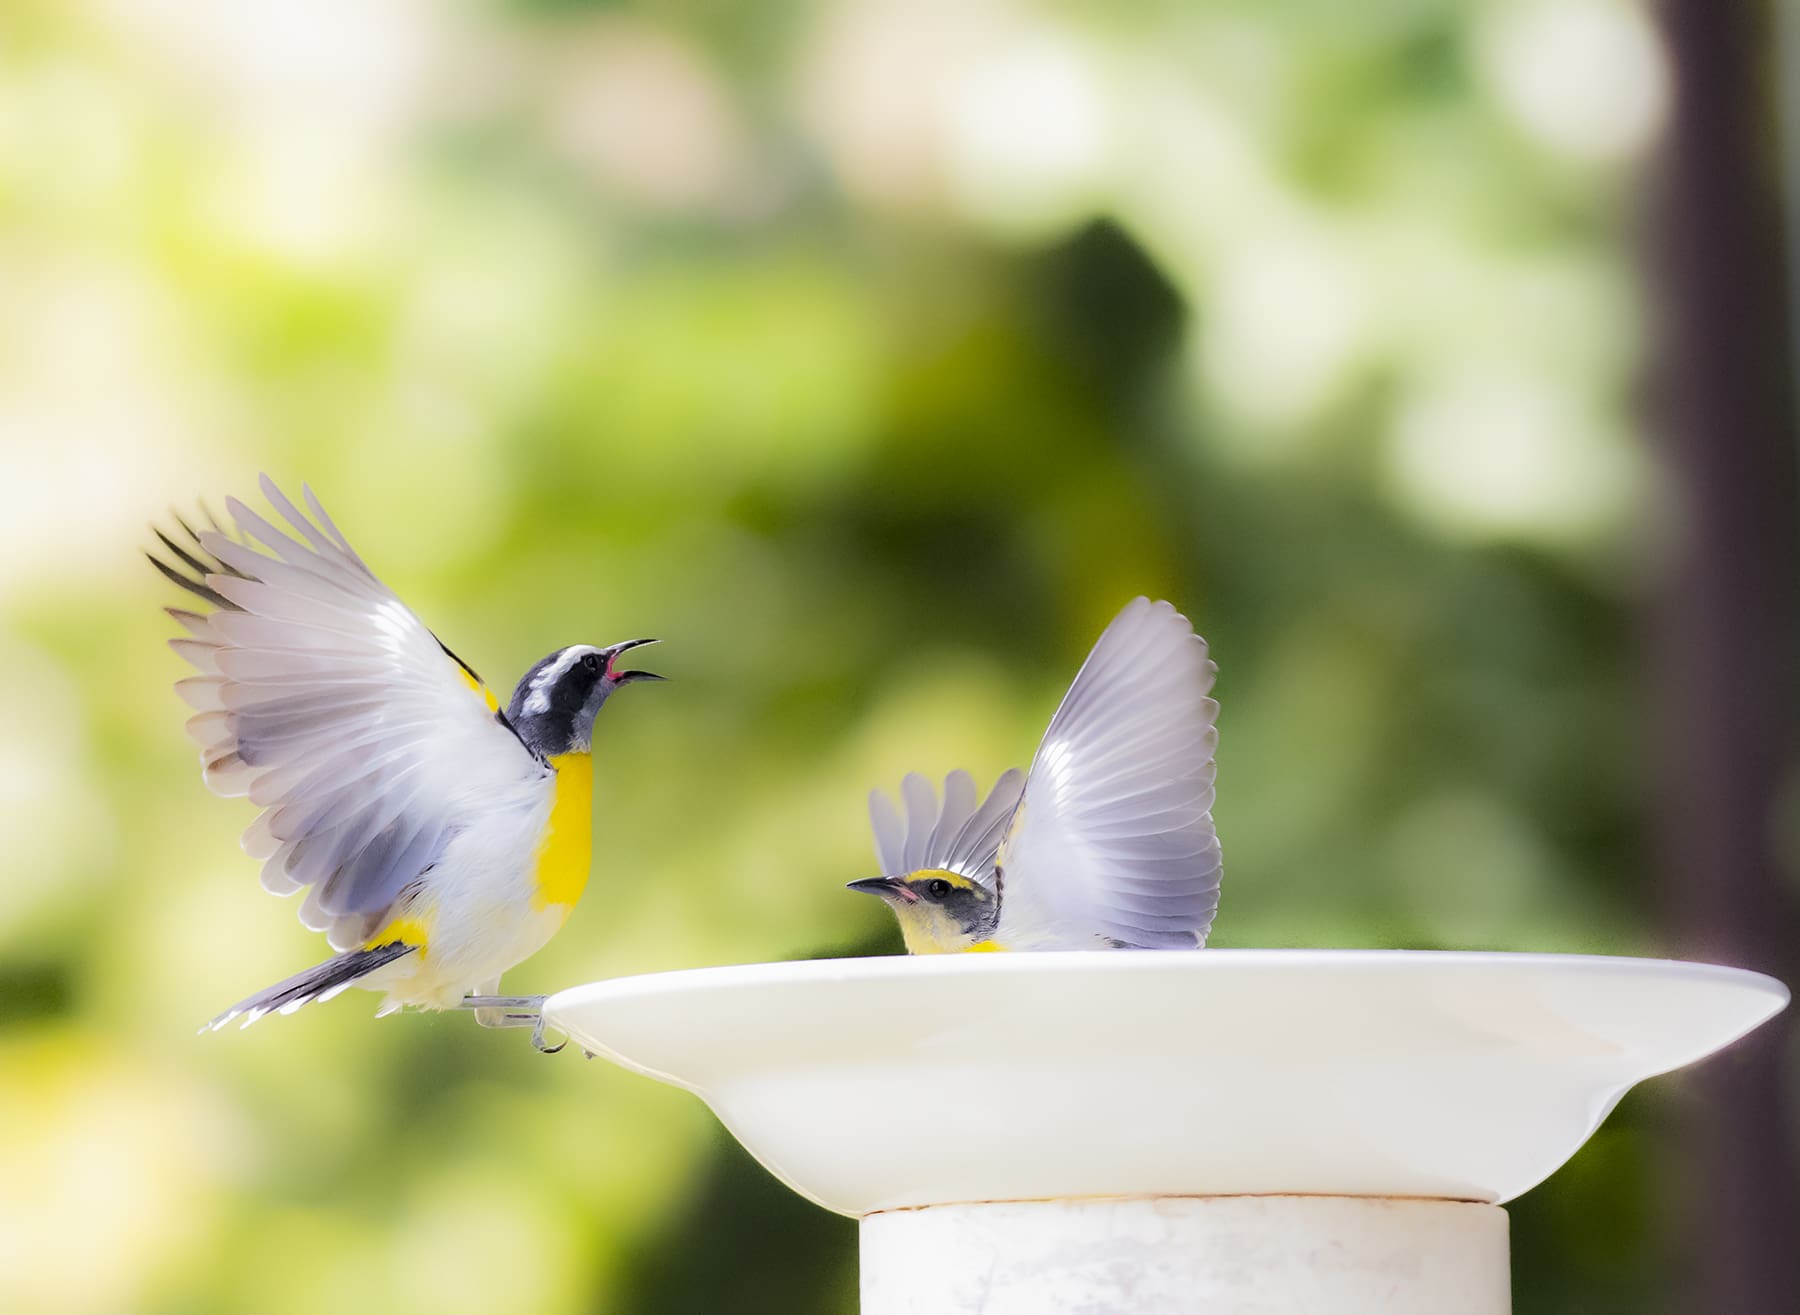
x: 938, y: 888
x: 591, y: 661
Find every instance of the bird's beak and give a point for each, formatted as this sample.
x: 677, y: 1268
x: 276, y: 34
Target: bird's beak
x: 626, y: 677
x: 887, y: 888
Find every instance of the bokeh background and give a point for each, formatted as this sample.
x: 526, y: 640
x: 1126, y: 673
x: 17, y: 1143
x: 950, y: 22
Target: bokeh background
x: 872, y: 354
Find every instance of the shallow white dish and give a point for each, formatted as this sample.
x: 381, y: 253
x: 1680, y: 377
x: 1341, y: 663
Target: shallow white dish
x: 873, y: 1084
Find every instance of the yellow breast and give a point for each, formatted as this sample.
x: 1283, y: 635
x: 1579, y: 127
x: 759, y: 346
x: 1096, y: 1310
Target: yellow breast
x: 566, y: 850
x: 927, y: 931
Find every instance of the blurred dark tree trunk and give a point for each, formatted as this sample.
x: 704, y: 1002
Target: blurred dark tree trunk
x: 1729, y: 657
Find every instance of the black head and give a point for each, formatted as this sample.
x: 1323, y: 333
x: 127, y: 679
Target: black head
x: 555, y: 703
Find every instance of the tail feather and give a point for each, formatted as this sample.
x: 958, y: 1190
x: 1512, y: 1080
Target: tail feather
x: 320, y: 982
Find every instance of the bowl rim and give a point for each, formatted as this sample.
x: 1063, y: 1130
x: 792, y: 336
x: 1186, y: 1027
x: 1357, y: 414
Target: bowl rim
x: 887, y: 967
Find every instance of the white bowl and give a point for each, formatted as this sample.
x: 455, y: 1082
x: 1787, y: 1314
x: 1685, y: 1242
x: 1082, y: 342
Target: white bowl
x: 874, y: 1084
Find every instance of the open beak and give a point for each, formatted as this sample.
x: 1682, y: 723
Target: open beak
x: 887, y: 888
x: 626, y: 677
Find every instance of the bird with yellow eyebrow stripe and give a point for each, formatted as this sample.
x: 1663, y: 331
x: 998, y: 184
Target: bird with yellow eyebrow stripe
x: 440, y: 838
x: 1106, y: 843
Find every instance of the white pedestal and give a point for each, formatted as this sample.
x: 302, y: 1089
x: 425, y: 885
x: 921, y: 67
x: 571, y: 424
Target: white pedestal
x: 1227, y: 1255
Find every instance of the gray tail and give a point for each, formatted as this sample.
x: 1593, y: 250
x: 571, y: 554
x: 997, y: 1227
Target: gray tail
x: 317, y: 983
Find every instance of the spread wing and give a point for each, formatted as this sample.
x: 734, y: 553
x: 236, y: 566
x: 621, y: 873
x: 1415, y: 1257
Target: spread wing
x: 1114, y: 838
x: 958, y: 837
x: 321, y: 696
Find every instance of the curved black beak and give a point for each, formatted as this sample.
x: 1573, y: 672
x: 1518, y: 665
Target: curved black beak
x: 626, y: 677
x: 887, y: 888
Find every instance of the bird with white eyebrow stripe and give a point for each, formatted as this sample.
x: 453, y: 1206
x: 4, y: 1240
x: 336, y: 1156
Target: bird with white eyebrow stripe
x: 440, y: 838
x: 1106, y: 843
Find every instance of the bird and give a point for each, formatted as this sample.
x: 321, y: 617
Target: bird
x: 1106, y: 842
x: 441, y: 838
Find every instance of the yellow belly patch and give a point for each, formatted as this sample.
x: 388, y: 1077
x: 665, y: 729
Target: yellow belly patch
x: 410, y: 931
x: 567, y: 849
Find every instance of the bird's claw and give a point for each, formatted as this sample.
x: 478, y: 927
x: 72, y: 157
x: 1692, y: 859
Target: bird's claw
x: 537, y: 1039
x: 514, y: 1011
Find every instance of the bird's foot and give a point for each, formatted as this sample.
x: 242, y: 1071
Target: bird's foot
x: 513, y: 1011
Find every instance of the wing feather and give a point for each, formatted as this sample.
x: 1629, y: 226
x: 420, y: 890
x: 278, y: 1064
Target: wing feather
x: 322, y: 697
x: 921, y: 816
x: 890, y: 832
x: 1114, y: 840
x: 959, y: 806
x: 958, y: 836
x: 981, y: 836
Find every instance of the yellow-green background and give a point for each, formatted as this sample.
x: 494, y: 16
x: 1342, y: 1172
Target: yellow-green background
x: 871, y: 355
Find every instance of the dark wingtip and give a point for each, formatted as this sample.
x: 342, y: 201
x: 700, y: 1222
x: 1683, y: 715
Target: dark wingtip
x: 199, y: 588
x: 195, y: 558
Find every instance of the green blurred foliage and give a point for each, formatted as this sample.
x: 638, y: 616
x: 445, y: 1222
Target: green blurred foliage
x: 872, y: 355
